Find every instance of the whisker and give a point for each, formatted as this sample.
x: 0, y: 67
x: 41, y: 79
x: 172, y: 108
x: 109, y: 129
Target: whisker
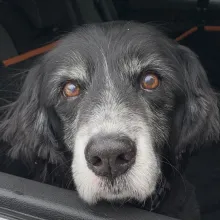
x: 181, y: 176
x: 64, y: 163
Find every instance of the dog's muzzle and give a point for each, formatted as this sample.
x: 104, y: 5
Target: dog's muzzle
x: 110, y: 156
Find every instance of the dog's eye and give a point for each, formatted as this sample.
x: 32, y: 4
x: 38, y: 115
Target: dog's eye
x: 149, y: 81
x: 71, y: 89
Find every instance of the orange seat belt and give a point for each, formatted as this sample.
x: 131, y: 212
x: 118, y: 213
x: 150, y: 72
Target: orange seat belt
x: 29, y: 54
x: 50, y: 46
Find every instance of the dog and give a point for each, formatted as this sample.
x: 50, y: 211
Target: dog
x: 121, y: 97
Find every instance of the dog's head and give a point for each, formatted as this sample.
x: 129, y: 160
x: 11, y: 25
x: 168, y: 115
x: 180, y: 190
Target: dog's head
x: 118, y: 95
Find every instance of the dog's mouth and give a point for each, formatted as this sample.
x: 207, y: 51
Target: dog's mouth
x: 114, y: 185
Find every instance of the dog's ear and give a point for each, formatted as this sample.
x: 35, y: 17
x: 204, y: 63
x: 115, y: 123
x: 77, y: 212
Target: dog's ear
x: 26, y: 126
x: 197, y: 114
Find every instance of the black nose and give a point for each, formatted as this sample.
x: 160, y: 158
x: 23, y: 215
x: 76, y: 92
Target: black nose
x: 110, y: 156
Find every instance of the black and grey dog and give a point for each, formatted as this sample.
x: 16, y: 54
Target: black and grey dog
x: 121, y: 97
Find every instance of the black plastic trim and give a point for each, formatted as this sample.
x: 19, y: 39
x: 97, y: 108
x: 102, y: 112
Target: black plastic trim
x: 26, y: 199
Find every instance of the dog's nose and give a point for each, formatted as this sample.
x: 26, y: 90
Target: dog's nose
x: 110, y: 156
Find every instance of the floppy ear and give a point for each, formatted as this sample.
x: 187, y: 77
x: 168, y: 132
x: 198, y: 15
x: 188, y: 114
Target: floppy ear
x: 26, y: 126
x: 197, y: 113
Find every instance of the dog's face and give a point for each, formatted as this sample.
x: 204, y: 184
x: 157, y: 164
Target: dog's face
x: 122, y: 93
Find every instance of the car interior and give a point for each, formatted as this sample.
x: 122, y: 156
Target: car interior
x: 28, y: 29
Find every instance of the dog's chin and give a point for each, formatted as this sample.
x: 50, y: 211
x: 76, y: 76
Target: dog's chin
x: 93, y: 189
x: 115, y: 192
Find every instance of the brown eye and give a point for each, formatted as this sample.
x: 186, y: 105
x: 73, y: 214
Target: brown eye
x: 71, y: 89
x: 150, y: 81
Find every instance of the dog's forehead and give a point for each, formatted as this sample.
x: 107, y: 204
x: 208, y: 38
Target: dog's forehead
x: 113, y: 48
